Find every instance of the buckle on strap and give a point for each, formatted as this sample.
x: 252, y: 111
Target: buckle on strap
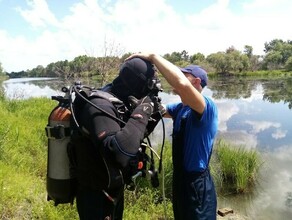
x: 57, y: 132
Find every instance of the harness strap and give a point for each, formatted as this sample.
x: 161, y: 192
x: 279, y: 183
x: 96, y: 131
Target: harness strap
x: 57, y: 131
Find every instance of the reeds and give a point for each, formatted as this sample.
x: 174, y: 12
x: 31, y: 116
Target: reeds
x: 238, y: 167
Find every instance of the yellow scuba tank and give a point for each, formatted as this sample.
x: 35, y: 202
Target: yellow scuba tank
x: 60, y: 180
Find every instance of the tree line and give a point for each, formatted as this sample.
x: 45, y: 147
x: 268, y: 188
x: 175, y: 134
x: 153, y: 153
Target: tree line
x: 278, y: 56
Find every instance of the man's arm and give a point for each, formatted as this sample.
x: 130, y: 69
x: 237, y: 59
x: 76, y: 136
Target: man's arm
x: 183, y: 87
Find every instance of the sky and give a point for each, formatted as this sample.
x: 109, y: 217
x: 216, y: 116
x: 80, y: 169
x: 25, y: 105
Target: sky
x: 40, y: 32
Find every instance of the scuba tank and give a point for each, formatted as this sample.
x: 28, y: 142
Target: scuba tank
x: 60, y: 179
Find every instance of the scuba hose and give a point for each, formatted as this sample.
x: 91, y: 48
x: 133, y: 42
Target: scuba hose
x: 161, y: 167
x: 89, y: 102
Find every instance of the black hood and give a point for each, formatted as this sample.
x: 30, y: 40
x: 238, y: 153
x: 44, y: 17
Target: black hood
x: 134, y: 79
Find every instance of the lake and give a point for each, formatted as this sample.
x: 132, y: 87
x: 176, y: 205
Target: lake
x: 253, y: 113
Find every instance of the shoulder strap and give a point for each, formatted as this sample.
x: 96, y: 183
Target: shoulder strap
x: 105, y: 95
x: 85, y: 94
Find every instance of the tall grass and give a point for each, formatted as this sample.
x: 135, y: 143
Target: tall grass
x: 238, y: 167
x: 23, y: 161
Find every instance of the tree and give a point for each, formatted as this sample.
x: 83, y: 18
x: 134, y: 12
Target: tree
x: 60, y: 69
x: 277, y: 54
x: 273, y: 45
x: 248, y: 51
x: 288, y: 64
x: 39, y: 71
x: 197, y: 58
x: 184, y: 55
x: 126, y: 55
x: 273, y: 60
x: 219, y: 62
x: 173, y: 57
x: 110, y: 62
x: 230, y: 61
x: 255, y: 62
x: 83, y: 66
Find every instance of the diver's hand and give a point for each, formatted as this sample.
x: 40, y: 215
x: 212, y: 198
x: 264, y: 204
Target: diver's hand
x: 145, y: 104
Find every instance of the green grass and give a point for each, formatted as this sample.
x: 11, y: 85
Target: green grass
x: 258, y: 73
x: 281, y: 73
x: 23, y: 163
x: 23, y: 154
x: 238, y: 167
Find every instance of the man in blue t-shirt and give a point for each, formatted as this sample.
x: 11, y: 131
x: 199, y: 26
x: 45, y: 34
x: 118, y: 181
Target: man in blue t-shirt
x: 195, y: 123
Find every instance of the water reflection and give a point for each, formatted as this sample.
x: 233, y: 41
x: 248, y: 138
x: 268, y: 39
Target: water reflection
x: 254, y: 121
x: 23, y: 88
x: 254, y: 113
x: 257, y: 114
x: 274, y: 90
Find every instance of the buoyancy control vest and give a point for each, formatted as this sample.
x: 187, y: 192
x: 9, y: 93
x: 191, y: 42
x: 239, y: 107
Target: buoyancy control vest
x: 66, y: 142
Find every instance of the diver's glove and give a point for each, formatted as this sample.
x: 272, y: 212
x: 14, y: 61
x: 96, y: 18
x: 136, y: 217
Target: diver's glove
x: 158, y: 111
x: 146, y: 104
x: 154, y: 101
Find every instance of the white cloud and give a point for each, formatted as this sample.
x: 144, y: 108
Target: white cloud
x: 275, y: 183
x: 152, y: 25
x: 225, y: 111
x: 279, y: 133
x: 240, y: 138
x: 256, y: 94
x: 39, y: 15
x: 258, y: 126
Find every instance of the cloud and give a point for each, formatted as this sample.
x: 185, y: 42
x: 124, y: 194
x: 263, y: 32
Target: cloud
x: 152, y: 25
x: 225, y: 111
x: 39, y: 15
x: 256, y: 94
x: 240, y: 138
x: 278, y: 134
x: 275, y: 183
x: 259, y: 126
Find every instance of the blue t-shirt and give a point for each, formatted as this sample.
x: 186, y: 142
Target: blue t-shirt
x: 199, y: 133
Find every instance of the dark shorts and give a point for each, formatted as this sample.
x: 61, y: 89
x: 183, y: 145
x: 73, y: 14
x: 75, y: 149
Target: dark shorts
x: 194, y: 196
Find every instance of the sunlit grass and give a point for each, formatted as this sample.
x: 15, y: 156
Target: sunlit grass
x: 238, y: 167
x: 23, y: 156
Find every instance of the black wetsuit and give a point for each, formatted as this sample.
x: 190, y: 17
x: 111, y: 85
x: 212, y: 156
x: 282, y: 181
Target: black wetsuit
x: 107, y: 144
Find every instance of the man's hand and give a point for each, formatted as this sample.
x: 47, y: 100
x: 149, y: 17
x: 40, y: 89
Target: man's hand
x: 144, y: 56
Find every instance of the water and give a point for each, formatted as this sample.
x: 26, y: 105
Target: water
x: 254, y: 113
x: 23, y: 88
x: 260, y: 117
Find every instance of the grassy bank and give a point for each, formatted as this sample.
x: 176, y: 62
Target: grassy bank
x: 23, y: 155
x: 23, y: 162
x: 259, y: 73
